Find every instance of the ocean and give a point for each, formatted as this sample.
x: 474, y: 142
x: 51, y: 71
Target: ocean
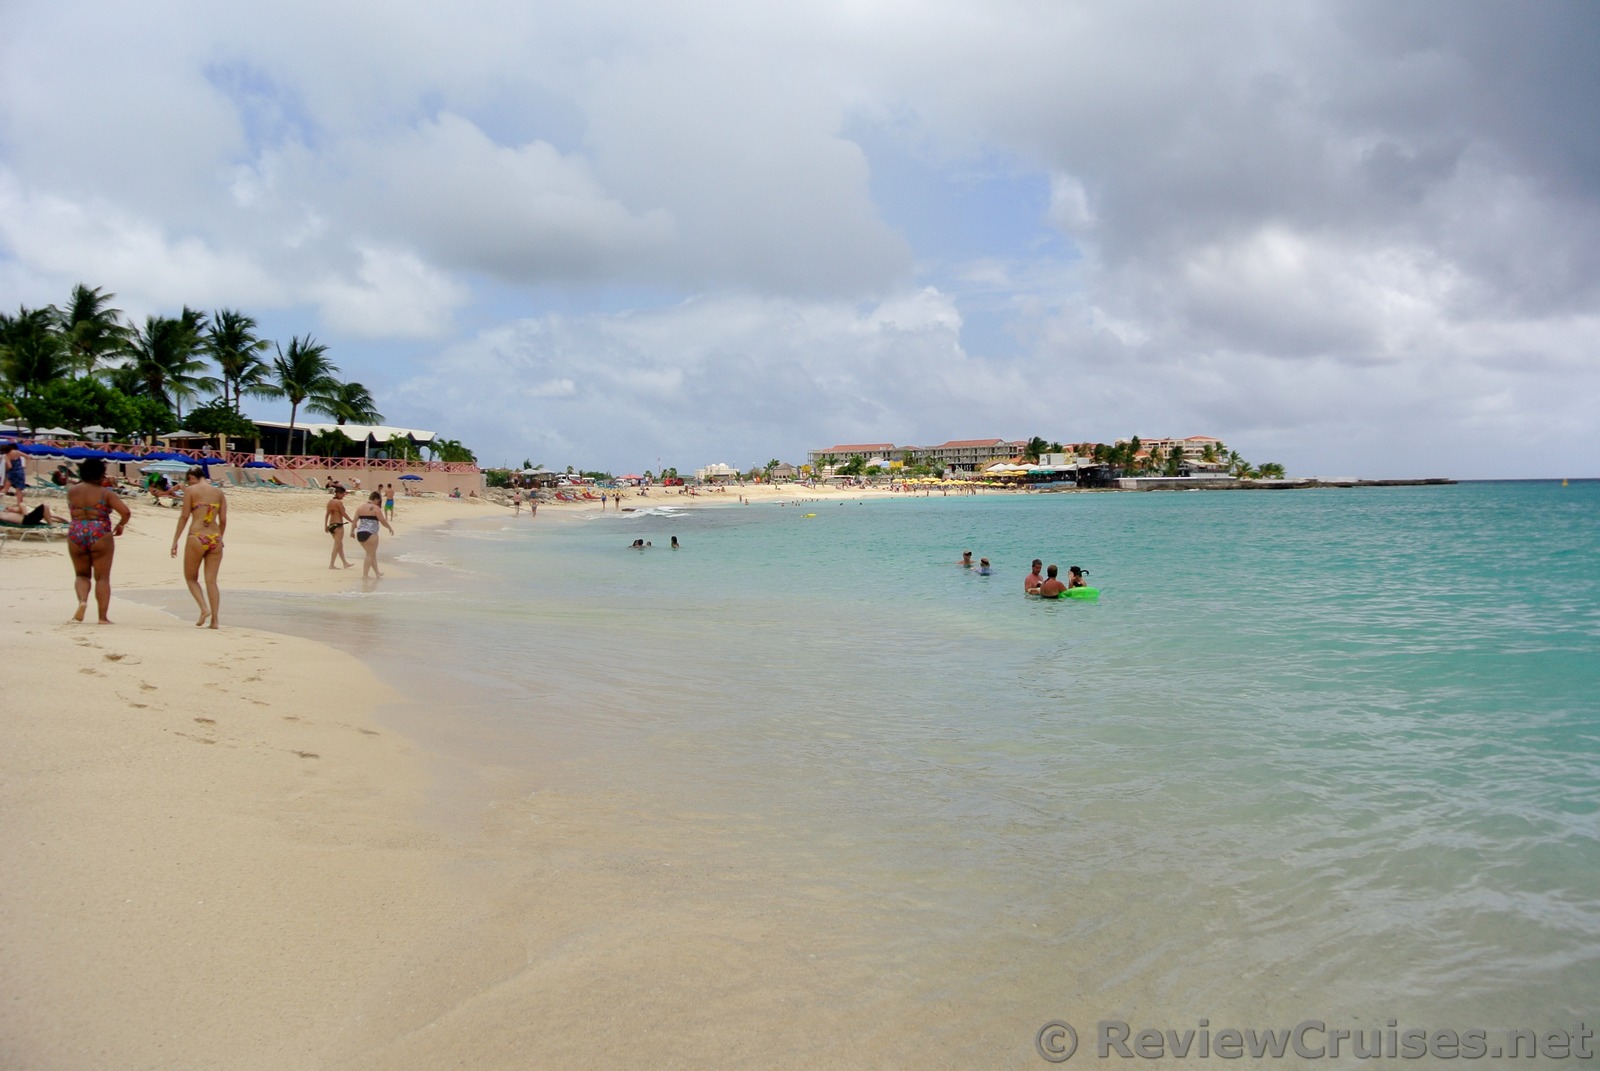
x: 1325, y: 755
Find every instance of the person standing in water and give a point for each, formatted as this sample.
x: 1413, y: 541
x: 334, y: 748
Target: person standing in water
x: 334, y: 519
x: 1031, y: 582
x: 206, y: 507
x: 1052, y: 587
x: 369, y: 515
x: 91, y: 540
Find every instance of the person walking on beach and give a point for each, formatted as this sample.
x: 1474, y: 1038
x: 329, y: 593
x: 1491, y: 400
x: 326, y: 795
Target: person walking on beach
x: 91, y: 540
x: 388, y: 501
x: 1031, y: 582
x: 207, y: 507
x: 334, y: 518
x: 369, y: 515
x: 516, y: 503
x: 16, y: 472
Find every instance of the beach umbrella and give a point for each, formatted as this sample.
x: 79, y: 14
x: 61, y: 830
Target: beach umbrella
x: 166, y: 467
x: 259, y: 465
x: 82, y: 453
x: 410, y: 476
x: 121, y: 455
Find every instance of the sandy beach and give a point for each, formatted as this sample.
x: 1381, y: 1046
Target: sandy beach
x: 213, y: 854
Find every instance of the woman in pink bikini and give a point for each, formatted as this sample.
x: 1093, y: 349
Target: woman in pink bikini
x: 91, y: 540
x: 207, y: 506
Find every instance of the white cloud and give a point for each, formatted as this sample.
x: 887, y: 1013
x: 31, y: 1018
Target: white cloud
x: 1390, y: 210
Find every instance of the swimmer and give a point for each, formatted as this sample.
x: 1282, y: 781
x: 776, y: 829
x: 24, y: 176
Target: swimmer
x: 1052, y: 587
x: 674, y: 542
x: 966, y: 559
x: 1075, y: 577
x: 1031, y: 582
x: 983, y: 566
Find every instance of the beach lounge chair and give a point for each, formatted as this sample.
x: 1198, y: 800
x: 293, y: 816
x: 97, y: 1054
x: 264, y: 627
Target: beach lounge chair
x: 311, y: 482
x: 44, y: 533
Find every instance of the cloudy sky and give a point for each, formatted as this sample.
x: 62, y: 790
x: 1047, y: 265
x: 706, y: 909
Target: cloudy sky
x: 1355, y: 238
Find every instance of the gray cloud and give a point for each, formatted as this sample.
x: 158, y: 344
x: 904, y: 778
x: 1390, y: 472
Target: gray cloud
x: 1344, y: 231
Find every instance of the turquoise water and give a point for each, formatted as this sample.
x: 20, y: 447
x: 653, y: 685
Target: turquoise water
x: 1317, y: 754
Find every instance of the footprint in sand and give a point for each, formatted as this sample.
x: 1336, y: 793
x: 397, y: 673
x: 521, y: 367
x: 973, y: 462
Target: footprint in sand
x: 91, y: 672
x: 206, y: 721
x: 147, y: 687
x: 308, y: 754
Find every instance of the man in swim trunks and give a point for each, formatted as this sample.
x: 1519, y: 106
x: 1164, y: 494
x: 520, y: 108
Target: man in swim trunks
x: 206, y: 505
x: 1031, y: 582
x: 1052, y: 587
x: 966, y: 559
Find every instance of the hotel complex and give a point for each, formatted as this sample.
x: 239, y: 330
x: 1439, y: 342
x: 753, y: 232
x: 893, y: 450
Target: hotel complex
x: 971, y: 455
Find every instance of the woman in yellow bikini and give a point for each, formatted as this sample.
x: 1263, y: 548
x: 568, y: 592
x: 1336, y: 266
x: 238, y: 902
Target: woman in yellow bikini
x: 207, y: 506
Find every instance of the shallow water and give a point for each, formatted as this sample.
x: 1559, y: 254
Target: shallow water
x: 1313, y: 754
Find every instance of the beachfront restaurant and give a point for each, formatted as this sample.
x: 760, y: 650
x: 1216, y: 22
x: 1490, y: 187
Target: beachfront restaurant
x: 368, y: 440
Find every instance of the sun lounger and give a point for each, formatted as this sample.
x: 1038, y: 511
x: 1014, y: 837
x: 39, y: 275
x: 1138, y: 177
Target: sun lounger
x: 42, y: 532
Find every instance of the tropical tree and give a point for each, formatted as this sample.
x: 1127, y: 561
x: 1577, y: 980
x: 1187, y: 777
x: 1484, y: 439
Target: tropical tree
x: 167, y: 356
x: 452, y: 450
x: 329, y: 443
x: 827, y: 461
x: 231, y: 342
x: 1035, y: 447
x: 1174, y: 463
x: 91, y: 331
x: 217, y: 417
x: 303, y: 372
x: 31, y: 353
x: 1269, y: 470
x: 346, y: 402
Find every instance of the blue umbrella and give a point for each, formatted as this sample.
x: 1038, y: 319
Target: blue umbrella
x: 409, y: 476
x: 259, y: 465
x: 82, y: 453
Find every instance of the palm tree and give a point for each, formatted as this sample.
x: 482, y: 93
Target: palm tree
x: 31, y: 353
x: 346, y: 402
x: 90, y: 329
x: 1035, y: 447
x: 304, y: 372
x: 167, y: 357
x: 1270, y: 470
x: 231, y: 341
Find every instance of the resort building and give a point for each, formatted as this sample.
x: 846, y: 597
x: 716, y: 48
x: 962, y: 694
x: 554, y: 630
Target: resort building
x: 865, y: 451
x: 970, y: 455
x: 371, y: 440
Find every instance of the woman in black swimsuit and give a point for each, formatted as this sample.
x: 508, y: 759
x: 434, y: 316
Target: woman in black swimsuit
x: 369, y: 515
